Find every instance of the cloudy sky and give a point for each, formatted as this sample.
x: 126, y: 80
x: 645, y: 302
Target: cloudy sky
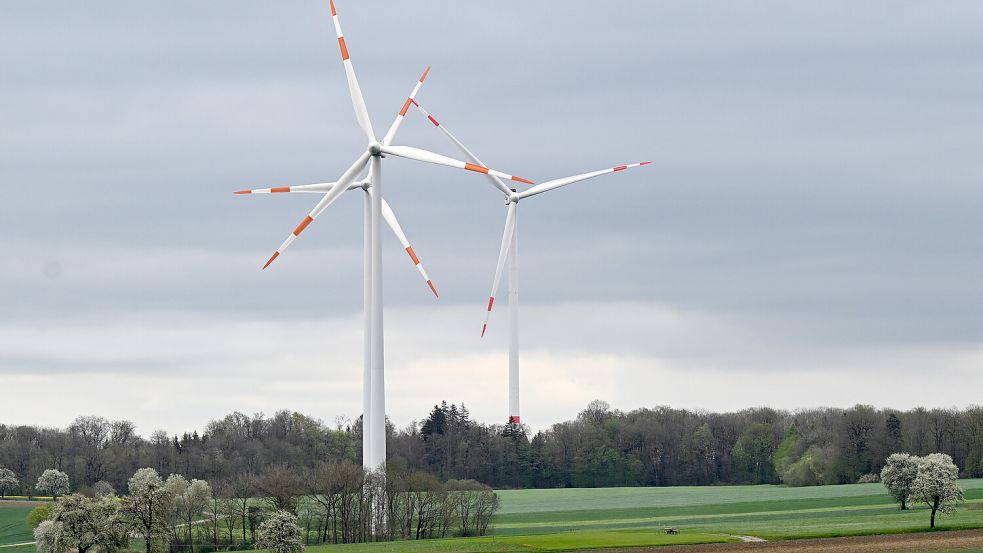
x: 808, y: 234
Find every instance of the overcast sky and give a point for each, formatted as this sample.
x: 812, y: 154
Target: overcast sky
x: 808, y: 234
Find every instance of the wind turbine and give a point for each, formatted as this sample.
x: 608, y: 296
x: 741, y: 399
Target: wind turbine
x: 509, y: 252
x: 373, y: 375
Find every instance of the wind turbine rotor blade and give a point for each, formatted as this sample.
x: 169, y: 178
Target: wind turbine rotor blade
x: 340, y: 187
x: 319, y: 187
x: 390, y: 217
x: 358, y: 102
x: 418, y: 154
x: 402, y: 112
x: 550, y: 185
x: 497, y: 182
x: 503, y: 255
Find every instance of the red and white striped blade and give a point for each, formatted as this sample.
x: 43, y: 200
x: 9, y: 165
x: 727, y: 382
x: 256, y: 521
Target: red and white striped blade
x: 358, y: 102
x: 418, y: 154
x: 402, y: 112
x: 503, y: 255
x: 497, y: 182
x: 390, y: 217
x: 550, y: 185
x: 346, y: 179
x: 319, y: 187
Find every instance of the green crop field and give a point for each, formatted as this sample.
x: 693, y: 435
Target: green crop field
x: 770, y: 512
x: 13, y: 526
x: 569, y: 519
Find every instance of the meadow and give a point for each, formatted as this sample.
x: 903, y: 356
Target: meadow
x: 580, y: 519
x: 13, y: 526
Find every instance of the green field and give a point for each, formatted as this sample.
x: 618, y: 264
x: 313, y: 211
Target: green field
x: 13, y: 526
x: 569, y: 519
x: 770, y: 512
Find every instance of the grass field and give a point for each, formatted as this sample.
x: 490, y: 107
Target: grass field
x: 570, y: 519
x: 770, y: 512
x: 13, y: 525
x: 580, y: 519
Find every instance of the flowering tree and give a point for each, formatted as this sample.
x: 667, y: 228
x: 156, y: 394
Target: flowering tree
x: 46, y: 535
x: 898, y: 475
x: 82, y: 524
x: 103, y: 489
x: 53, y: 482
x: 147, y: 507
x: 936, y: 484
x: 8, y: 481
x: 280, y: 533
x: 191, y: 503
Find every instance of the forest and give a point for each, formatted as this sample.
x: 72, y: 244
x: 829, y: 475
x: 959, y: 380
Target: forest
x: 658, y: 446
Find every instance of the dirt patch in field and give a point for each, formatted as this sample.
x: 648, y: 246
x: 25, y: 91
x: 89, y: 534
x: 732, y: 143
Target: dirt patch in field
x: 897, y: 543
x: 20, y: 503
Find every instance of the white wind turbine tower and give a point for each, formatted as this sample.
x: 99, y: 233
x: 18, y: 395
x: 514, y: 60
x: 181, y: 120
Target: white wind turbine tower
x: 373, y: 376
x: 509, y: 252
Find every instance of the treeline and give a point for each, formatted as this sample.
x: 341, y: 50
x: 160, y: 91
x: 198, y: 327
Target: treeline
x: 601, y: 447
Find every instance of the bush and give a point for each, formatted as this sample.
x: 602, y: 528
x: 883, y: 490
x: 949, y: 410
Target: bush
x: 869, y: 478
x: 280, y: 533
x: 38, y: 515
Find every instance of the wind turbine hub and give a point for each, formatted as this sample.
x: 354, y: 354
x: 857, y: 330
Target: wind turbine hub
x: 513, y: 198
x: 375, y: 148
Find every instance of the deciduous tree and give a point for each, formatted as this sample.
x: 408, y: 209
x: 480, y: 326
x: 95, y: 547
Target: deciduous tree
x: 103, y: 489
x: 280, y: 486
x: 46, y: 536
x: 936, y: 486
x: 8, y: 481
x: 83, y: 524
x: 898, y: 475
x: 147, y: 507
x: 191, y: 503
x: 280, y: 533
x: 53, y: 482
x: 754, y: 451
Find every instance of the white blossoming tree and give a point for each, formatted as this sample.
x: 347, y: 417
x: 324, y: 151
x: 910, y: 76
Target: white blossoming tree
x: 82, y: 524
x: 8, y: 481
x: 191, y: 504
x: 103, y: 489
x: 147, y: 508
x: 47, y: 535
x: 935, y: 484
x: 898, y: 475
x: 280, y: 533
x: 53, y: 482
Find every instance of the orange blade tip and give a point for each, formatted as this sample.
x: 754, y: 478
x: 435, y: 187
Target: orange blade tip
x: 645, y: 163
x: 303, y: 224
x: 243, y: 192
x: 483, y: 328
x: 425, y: 74
x: 520, y: 179
x: 272, y: 257
x: 430, y: 284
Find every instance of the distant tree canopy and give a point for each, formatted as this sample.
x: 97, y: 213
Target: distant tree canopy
x: 602, y: 446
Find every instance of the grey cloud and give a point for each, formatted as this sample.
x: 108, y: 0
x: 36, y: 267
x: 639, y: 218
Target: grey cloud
x: 815, y: 175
